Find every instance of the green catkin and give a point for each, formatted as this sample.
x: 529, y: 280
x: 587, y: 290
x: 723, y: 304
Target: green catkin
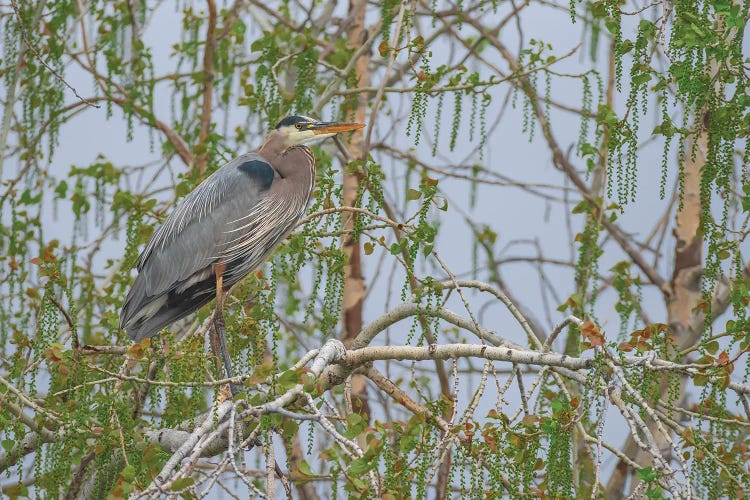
x: 310, y: 438
x: 413, y: 125
x: 438, y: 113
x: 461, y: 465
x: 335, y: 487
x: 457, y: 105
x: 419, y: 104
x: 405, y: 27
x: 486, y: 99
x: 532, y: 448
x: 474, y: 475
x: 305, y: 63
x: 616, y: 15
x: 274, y: 326
x: 388, y: 462
x: 528, y: 108
x: 473, y: 188
x: 473, y: 116
x: 665, y: 150
x: 386, y: 15
x: 422, y: 466
x: 585, y: 113
x: 413, y: 328
x: 558, y: 467
x: 547, y: 97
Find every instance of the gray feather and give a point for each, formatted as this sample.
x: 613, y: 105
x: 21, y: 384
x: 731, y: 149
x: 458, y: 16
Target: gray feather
x: 185, y: 246
x: 234, y: 217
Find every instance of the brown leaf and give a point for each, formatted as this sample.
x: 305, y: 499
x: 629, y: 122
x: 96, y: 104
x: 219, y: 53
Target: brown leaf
x: 723, y: 358
x: 530, y: 420
x: 383, y: 48
x: 135, y: 351
x: 591, y: 332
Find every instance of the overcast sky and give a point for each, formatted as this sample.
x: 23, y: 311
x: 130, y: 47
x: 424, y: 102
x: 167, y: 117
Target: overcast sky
x: 513, y: 213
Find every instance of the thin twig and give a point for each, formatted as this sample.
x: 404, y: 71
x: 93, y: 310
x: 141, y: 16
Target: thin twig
x: 36, y: 53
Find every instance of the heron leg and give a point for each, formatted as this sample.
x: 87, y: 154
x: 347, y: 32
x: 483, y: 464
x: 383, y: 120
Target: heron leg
x: 218, y: 339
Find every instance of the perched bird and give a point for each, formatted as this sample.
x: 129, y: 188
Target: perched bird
x: 225, y: 228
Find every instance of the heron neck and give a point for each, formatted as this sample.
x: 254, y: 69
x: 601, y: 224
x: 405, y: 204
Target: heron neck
x: 295, y: 162
x: 298, y: 163
x: 273, y: 146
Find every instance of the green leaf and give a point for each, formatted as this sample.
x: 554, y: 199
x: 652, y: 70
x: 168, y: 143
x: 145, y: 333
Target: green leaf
x: 625, y: 47
x: 182, y: 483
x: 62, y: 190
x: 620, y: 267
x: 588, y: 149
x: 712, y: 347
x: 598, y: 9
x: 362, y: 466
x: 700, y: 380
x: 355, y: 424
x: 582, y: 207
x: 654, y: 492
x: 8, y: 444
x: 641, y: 79
x: 305, y: 469
x: 612, y: 26
x: 647, y: 27
x: 128, y: 473
x: 289, y: 378
x: 413, y: 194
x: 647, y: 474
x: 606, y: 115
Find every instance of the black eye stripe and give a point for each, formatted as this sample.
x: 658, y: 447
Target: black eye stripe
x: 292, y: 120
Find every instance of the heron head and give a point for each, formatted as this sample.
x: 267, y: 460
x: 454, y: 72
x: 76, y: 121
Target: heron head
x: 296, y: 130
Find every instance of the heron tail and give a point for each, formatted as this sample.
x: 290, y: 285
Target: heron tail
x: 143, y: 316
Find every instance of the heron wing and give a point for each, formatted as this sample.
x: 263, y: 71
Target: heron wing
x: 198, y: 233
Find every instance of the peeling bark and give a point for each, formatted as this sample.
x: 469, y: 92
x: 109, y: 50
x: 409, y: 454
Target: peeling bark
x: 684, y: 294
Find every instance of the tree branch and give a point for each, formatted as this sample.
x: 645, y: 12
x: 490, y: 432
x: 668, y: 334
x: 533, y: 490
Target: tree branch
x: 208, y: 87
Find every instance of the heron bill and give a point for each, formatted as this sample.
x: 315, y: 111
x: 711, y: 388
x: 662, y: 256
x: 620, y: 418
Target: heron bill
x: 335, y: 127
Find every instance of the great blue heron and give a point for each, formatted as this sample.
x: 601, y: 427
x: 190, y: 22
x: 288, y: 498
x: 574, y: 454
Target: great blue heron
x: 224, y: 229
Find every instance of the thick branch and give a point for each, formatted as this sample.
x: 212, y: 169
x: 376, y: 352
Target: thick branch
x: 450, y: 351
x: 208, y: 86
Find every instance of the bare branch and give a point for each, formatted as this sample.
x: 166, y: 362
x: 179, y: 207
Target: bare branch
x: 41, y: 59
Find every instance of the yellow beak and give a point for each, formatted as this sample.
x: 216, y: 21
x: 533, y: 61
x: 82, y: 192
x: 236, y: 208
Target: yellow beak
x: 335, y: 127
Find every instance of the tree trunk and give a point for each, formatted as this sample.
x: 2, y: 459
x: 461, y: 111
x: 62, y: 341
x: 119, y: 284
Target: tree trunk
x: 354, y: 285
x: 685, y: 291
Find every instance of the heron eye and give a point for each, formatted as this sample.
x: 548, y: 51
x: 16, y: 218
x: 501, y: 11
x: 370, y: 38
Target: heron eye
x: 299, y: 126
